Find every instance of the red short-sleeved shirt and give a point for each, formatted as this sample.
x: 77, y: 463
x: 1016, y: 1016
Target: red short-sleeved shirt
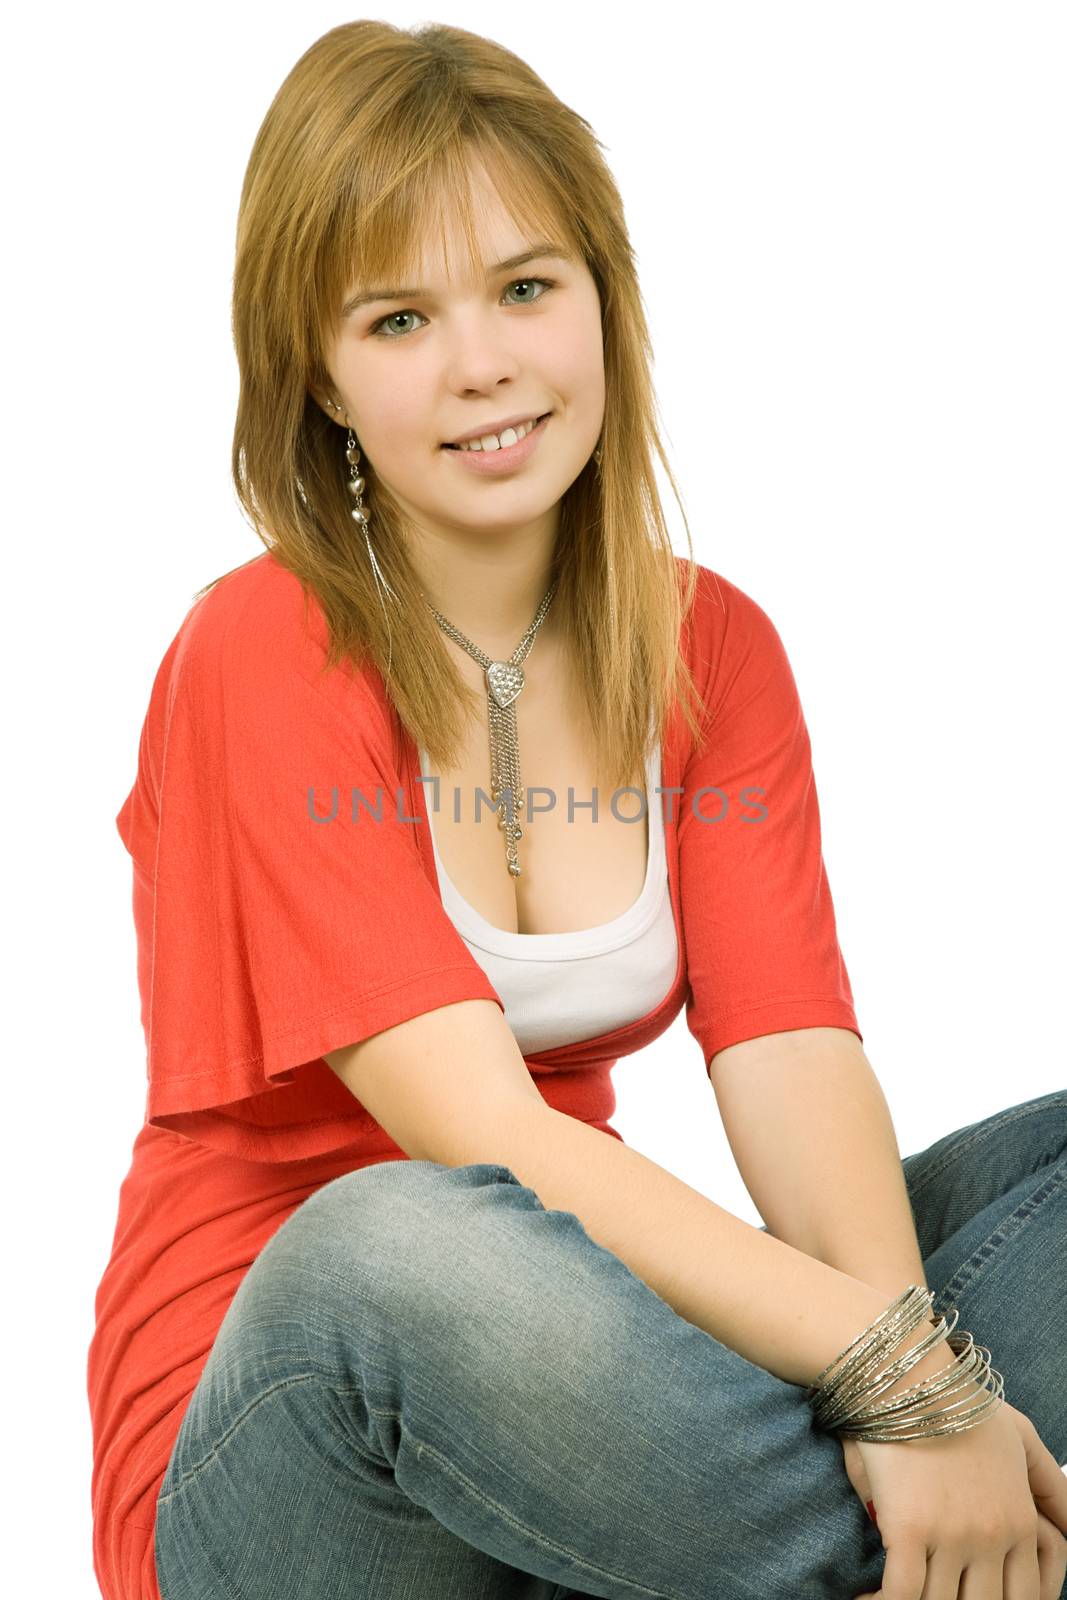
x: 266, y: 937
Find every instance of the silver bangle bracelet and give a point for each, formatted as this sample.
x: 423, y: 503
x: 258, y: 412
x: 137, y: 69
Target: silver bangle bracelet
x: 841, y: 1399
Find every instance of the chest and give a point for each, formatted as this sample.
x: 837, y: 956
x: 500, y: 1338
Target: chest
x: 577, y: 872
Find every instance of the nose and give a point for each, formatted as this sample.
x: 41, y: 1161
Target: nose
x: 483, y: 354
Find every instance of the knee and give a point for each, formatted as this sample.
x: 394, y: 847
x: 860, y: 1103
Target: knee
x: 403, y: 1204
x: 397, y: 1229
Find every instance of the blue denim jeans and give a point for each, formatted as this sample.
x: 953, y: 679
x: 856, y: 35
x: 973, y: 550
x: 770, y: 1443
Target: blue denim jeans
x: 430, y: 1387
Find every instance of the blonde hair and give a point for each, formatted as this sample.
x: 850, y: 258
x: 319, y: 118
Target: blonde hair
x: 371, y: 129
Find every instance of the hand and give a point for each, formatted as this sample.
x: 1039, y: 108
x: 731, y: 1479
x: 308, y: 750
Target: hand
x: 1051, y: 1558
x: 990, y: 1503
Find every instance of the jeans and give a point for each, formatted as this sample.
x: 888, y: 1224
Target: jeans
x: 430, y: 1387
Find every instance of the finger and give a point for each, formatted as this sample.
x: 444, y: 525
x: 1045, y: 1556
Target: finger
x: 1047, y: 1483
x: 904, y: 1575
x: 1052, y: 1558
x: 952, y: 1575
x: 1022, y: 1576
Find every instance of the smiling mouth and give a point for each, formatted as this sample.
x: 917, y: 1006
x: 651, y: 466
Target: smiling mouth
x: 537, y: 422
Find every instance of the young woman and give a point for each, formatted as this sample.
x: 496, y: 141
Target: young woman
x: 392, y: 1310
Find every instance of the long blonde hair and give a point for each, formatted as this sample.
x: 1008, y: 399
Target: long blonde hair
x: 373, y: 126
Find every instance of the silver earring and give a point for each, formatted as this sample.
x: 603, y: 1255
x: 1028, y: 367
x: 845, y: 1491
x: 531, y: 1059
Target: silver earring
x: 360, y: 513
x: 598, y: 456
x: 361, y: 516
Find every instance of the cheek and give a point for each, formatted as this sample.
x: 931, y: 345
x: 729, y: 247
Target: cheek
x: 389, y: 411
x: 393, y: 417
x: 576, y: 353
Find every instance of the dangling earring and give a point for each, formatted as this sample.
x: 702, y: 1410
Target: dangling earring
x: 361, y: 516
x: 598, y: 456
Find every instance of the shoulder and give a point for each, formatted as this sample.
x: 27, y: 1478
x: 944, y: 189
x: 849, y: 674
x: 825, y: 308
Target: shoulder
x: 256, y: 613
x: 726, y: 628
x: 254, y: 647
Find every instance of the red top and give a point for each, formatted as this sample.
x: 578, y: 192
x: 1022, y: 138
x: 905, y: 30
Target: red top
x: 266, y: 936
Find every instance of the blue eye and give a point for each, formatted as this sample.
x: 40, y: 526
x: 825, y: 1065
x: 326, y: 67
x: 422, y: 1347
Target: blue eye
x: 379, y: 326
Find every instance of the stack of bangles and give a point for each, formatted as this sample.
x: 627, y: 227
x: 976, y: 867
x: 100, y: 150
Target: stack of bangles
x: 842, y: 1402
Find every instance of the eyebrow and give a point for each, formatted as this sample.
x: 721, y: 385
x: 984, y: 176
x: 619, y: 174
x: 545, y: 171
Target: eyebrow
x: 365, y: 298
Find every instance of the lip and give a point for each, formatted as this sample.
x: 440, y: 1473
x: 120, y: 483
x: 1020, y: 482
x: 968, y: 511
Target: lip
x: 496, y: 427
x: 497, y: 462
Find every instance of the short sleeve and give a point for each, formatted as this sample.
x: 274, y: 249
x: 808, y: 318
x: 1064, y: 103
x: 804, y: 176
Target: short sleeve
x: 279, y: 914
x: 760, y: 931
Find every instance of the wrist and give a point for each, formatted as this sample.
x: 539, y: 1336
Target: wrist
x: 933, y: 1364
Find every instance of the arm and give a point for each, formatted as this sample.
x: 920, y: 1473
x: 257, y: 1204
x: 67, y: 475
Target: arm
x: 813, y: 1139
x: 451, y: 1086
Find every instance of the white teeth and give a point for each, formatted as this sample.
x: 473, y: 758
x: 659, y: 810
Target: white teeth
x: 492, y: 441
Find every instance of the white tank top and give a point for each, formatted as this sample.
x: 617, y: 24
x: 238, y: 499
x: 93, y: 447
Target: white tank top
x: 560, y: 988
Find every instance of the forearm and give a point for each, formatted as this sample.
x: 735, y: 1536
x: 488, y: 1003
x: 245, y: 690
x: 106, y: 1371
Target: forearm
x: 778, y: 1307
x: 813, y: 1139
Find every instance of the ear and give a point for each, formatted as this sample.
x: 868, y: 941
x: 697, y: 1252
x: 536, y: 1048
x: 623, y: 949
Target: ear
x: 322, y: 399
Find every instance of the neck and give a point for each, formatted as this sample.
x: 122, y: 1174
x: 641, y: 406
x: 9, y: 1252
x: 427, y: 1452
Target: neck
x: 490, y: 594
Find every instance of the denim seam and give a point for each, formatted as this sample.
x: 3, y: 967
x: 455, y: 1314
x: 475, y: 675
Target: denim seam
x: 985, y: 1130
x: 198, y: 1466
x: 980, y: 1257
x: 583, y: 1568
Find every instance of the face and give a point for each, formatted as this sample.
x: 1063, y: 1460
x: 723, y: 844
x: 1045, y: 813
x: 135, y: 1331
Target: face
x: 419, y: 370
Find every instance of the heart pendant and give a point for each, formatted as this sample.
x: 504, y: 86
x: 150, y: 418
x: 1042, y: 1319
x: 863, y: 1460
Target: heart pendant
x: 505, y: 682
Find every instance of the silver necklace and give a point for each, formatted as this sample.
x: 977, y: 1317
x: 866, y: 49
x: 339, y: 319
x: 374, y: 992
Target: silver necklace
x: 504, y: 681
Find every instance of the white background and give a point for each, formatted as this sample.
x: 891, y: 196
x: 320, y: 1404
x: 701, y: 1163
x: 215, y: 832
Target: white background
x: 852, y: 241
